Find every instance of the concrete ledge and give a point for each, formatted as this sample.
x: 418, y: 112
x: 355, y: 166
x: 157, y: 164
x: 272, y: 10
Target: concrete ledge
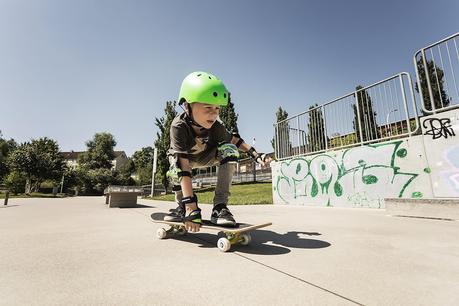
x: 423, y: 208
x: 122, y: 196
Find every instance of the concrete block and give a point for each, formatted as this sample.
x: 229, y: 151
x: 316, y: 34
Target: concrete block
x: 122, y: 199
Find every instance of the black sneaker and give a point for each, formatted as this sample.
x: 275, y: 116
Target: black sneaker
x: 175, y: 215
x: 222, y: 216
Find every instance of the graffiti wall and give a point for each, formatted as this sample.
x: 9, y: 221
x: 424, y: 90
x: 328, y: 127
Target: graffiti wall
x: 356, y: 177
x: 424, y: 166
x: 441, y: 138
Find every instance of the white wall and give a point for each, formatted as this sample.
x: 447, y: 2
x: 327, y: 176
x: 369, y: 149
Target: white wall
x: 441, y: 138
x: 423, y: 166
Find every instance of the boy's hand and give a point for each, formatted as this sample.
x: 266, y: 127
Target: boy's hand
x: 191, y: 226
x: 264, y: 160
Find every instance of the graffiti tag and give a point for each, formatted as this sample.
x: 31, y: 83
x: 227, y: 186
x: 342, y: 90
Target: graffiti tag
x: 354, y: 177
x: 438, y: 127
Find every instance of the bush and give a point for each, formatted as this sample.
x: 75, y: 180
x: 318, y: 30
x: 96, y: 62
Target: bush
x: 15, y: 182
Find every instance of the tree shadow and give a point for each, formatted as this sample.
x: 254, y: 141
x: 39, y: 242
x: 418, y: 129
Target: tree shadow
x: 138, y: 206
x: 6, y: 206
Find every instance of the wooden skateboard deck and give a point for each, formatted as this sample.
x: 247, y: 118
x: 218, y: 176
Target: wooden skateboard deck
x: 238, y: 234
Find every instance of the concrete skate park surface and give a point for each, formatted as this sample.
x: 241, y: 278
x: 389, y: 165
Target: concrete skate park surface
x: 78, y: 251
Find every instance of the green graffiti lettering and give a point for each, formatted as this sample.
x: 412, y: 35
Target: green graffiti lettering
x: 348, y: 173
x: 402, y: 153
x: 369, y: 179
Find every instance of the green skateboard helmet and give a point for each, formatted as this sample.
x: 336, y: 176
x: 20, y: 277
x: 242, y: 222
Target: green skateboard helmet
x: 205, y: 88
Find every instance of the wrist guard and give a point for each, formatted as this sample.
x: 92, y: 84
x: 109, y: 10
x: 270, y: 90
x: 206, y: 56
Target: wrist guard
x: 257, y: 157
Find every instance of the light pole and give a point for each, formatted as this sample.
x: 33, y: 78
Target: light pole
x: 254, y: 164
x: 155, y: 157
x: 387, y: 120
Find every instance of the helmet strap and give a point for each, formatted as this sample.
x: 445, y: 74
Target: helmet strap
x: 189, y: 114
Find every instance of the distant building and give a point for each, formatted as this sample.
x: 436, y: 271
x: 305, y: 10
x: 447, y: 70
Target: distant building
x: 71, y: 158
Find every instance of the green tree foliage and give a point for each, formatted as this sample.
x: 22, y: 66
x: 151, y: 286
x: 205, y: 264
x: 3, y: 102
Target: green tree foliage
x: 367, y: 116
x: 229, y: 116
x: 143, y: 165
x: 162, y: 141
x: 282, y: 130
x: 100, y: 152
x: 6, y: 146
x: 436, y: 78
x: 15, y: 182
x: 70, y: 178
x: 123, y: 174
x: 94, y: 171
x: 316, y: 130
x: 38, y: 160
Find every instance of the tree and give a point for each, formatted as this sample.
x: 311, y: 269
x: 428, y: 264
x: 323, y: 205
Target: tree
x: 143, y: 164
x: 100, y: 152
x: 367, y: 122
x: 38, y: 160
x: 6, y: 147
x: 281, y: 130
x: 162, y: 141
x: 228, y: 116
x: 436, y: 75
x: 316, y: 129
x: 95, y: 169
x: 15, y: 182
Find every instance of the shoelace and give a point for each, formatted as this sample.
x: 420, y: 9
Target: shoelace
x: 224, y: 212
x: 179, y: 211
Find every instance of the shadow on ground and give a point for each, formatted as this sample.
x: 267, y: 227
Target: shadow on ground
x: 138, y: 206
x: 264, y: 242
x: 6, y: 206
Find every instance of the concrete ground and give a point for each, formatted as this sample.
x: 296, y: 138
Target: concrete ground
x: 78, y: 251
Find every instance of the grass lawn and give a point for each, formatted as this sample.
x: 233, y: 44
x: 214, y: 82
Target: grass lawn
x: 241, y: 194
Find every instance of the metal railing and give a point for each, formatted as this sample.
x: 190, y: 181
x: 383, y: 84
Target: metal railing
x: 437, y: 74
x: 380, y: 111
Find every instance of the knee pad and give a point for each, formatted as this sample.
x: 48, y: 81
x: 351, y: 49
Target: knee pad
x: 174, y: 173
x: 227, y: 152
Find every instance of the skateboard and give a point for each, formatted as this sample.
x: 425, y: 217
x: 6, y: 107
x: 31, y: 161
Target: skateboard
x: 238, y: 234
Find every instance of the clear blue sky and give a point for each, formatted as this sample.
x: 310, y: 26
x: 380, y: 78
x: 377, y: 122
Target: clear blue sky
x: 69, y: 69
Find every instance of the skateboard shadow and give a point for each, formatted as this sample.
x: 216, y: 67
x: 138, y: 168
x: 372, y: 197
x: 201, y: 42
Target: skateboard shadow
x: 264, y: 242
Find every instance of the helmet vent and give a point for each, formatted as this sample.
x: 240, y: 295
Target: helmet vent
x: 200, y: 74
x: 215, y: 94
x: 224, y: 95
x: 210, y: 78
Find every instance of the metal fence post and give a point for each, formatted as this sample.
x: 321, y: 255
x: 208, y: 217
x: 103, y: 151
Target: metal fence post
x: 298, y: 134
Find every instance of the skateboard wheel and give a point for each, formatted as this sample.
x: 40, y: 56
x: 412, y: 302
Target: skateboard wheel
x: 223, y: 244
x: 245, y: 239
x: 161, y: 233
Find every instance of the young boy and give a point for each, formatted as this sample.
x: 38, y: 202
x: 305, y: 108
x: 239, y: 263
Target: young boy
x: 199, y: 139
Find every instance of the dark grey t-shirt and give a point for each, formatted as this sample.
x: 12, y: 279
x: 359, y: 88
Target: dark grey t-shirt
x: 185, y: 141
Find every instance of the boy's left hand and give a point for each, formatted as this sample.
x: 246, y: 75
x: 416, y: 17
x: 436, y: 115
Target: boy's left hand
x: 264, y: 159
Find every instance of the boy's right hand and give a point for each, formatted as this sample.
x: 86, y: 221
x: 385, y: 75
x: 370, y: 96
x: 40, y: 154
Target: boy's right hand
x: 190, y: 225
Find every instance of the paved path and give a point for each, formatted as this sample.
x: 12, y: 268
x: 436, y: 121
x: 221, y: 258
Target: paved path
x: 78, y: 251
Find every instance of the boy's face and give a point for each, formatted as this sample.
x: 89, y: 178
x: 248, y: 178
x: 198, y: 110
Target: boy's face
x: 205, y: 114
